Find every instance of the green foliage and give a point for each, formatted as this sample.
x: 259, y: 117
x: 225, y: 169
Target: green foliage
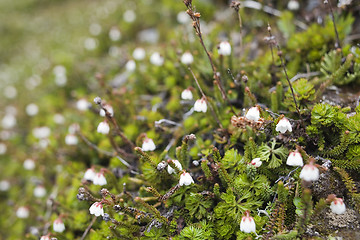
x: 337, y: 71
x: 272, y: 154
x: 199, y: 231
x: 304, y: 93
x: 316, y: 40
x: 350, y: 186
x: 231, y: 159
x: 325, y: 115
x: 285, y: 24
x: 198, y: 205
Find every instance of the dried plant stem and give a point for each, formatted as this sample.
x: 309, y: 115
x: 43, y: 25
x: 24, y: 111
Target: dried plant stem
x: 118, y: 131
x: 111, y: 119
x: 290, y: 85
x: 93, y: 146
x: 204, y: 96
x: 240, y: 31
x: 195, y: 16
x: 88, y: 228
x: 109, y: 154
x: 338, y: 45
x: 271, y: 44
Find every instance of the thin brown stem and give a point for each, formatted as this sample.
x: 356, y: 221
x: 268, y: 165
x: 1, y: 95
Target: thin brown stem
x: 195, y: 16
x: 118, y: 131
x: 109, y: 154
x: 111, y: 119
x: 271, y: 43
x: 337, y: 45
x: 93, y: 146
x: 236, y: 5
x: 207, y: 102
x: 88, y: 228
x: 290, y: 85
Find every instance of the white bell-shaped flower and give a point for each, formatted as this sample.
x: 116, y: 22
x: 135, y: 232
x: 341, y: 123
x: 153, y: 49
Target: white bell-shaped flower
x: 114, y: 34
x: 45, y: 237
x: 103, y: 128
x: 59, y: 119
x: 200, y: 105
x: 293, y: 5
x: 295, y: 159
x: 130, y: 66
x: 309, y: 172
x: 109, y: 109
x: 29, y: 164
x: 8, y: 121
x: 3, y: 148
x: 39, y: 191
x: 253, y: 114
x: 82, y: 105
x: 4, y: 185
x: 89, y: 174
x: 343, y: 3
x: 283, y: 125
x: 247, y: 224
x: 177, y: 165
x: 22, y: 212
x: 32, y: 109
x: 97, y: 209
x: 182, y: 17
x: 148, y: 145
x: 71, y: 139
x: 337, y: 206
x: 99, y: 179
x: 187, y: 58
x: 185, y: 179
x: 224, y: 48
x: 58, y: 226
x: 186, y: 94
x: 41, y: 132
x: 156, y: 59
x: 139, y: 54
x: 256, y: 162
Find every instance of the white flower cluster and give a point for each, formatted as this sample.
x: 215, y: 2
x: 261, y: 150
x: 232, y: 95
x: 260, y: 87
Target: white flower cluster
x: 71, y: 138
x: 96, y: 178
x: 177, y: 165
x: 156, y: 59
x: 108, y: 108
